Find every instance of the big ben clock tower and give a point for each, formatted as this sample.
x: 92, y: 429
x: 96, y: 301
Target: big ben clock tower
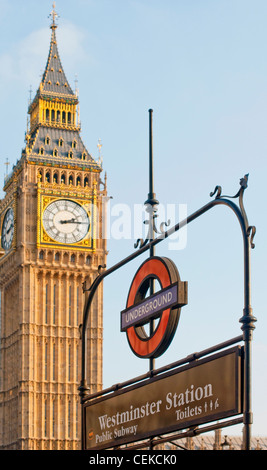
x: 50, y: 223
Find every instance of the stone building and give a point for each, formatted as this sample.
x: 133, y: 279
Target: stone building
x: 50, y: 226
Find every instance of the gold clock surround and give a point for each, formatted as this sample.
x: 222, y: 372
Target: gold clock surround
x: 48, y: 193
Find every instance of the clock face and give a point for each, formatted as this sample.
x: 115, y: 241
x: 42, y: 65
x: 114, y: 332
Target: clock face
x: 8, y: 229
x: 66, y: 221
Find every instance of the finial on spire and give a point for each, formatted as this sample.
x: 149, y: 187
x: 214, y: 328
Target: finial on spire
x: 54, y: 16
x: 76, y: 86
x: 7, y: 163
x: 99, y: 146
x: 30, y: 95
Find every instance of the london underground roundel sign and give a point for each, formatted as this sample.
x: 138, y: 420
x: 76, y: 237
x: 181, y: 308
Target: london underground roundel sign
x: 164, y: 305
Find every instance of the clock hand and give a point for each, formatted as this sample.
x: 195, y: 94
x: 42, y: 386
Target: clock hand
x: 66, y: 221
x: 8, y: 230
x: 71, y: 221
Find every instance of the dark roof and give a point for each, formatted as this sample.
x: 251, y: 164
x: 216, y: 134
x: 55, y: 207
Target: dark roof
x: 63, y: 141
x: 54, y: 82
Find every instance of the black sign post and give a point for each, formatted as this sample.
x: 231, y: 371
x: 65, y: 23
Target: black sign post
x: 247, y: 320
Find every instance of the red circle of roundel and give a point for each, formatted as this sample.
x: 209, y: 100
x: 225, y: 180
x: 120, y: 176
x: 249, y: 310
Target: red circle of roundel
x: 165, y: 271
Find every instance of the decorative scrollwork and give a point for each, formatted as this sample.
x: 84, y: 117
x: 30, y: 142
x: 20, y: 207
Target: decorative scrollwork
x: 244, y: 181
x: 152, y: 229
x: 164, y: 224
x: 140, y: 242
x: 217, y: 190
x: 100, y: 267
x: 251, y: 230
x: 243, y: 184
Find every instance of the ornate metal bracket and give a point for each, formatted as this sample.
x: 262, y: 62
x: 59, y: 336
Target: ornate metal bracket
x: 251, y: 229
x: 152, y: 229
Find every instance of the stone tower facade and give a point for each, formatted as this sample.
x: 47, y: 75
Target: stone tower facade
x: 51, y: 244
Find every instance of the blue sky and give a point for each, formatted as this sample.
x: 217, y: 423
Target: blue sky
x: 201, y: 66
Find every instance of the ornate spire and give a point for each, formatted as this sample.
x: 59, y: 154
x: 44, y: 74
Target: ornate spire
x: 54, y: 131
x: 54, y: 80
